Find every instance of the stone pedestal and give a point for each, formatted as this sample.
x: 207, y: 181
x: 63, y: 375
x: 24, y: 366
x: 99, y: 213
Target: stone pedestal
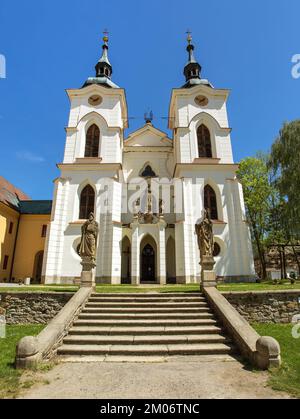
x: 208, y: 275
x: 88, y: 273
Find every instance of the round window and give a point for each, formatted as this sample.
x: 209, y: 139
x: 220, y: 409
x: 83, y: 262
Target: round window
x: 95, y: 100
x: 217, y: 250
x: 201, y: 100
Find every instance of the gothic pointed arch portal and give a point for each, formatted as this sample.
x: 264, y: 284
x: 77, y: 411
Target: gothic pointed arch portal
x: 38, y: 265
x: 87, y: 202
x: 126, y: 261
x: 92, y: 141
x: 148, y: 252
x: 171, y: 261
x: 210, y: 202
x: 204, y: 142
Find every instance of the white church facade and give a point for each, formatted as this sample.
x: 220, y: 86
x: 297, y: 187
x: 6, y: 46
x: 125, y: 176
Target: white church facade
x: 147, y: 191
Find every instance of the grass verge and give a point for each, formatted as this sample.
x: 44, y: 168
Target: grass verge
x: 9, y: 376
x: 265, y: 286
x: 287, y: 378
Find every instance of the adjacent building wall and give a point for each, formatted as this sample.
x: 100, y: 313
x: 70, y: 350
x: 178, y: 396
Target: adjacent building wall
x: 29, y: 243
x: 7, y: 240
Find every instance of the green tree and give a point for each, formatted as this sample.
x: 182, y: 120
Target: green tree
x: 254, y: 176
x: 285, y: 162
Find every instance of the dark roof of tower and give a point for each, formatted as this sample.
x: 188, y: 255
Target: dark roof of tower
x: 103, y: 69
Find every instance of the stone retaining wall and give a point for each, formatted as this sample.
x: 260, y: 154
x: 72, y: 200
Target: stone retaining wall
x: 255, y: 306
x: 32, y: 307
x: 266, y: 306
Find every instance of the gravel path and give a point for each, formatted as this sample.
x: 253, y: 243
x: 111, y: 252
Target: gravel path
x: 178, y: 378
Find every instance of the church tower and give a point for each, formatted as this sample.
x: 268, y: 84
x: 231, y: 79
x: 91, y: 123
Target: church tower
x: 204, y: 161
x: 89, y: 179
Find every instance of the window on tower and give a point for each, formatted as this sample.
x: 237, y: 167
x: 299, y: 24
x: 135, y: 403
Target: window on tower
x: 204, y: 142
x: 87, y: 202
x: 210, y: 202
x: 92, y: 142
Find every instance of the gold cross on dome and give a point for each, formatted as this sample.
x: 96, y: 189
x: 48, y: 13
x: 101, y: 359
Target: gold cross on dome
x: 189, y: 36
x: 105, y: 37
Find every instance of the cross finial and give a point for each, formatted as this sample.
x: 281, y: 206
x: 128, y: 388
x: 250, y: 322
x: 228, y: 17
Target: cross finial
x: 105, y: 33
x: 189, y: 36
x: 148, y: 116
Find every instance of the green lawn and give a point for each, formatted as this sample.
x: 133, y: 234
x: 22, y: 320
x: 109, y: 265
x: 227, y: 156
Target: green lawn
x: 287, y: 378
x: 9, y: 376
x: 265, y: 286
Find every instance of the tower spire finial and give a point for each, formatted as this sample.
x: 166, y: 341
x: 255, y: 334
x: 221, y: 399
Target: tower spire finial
x: 103, y: 67
x: 105, y: 35
x: 192, y: 68
x: 189, y: 36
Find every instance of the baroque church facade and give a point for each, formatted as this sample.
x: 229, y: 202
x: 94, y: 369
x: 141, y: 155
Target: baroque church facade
x: 143, y: 237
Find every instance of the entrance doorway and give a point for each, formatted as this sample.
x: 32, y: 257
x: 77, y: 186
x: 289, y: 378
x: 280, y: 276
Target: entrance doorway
x: 126, y: 261
x: 171, y: 261
x: 148, y: 264
x: 38, y: 265
x: 148, y: 260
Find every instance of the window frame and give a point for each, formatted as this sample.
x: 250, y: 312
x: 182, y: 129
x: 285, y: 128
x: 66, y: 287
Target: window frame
x: 5, y: 262
x: 11, y: 227
x: 85, y: 208
x: 92, y: 142
x: 211, y: 202
x: 204, y: 142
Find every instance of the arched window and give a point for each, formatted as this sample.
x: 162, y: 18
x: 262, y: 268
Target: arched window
x: 210, y: 202
x: 204, y: 143
x: 92, y: 142
x: 87, y: 202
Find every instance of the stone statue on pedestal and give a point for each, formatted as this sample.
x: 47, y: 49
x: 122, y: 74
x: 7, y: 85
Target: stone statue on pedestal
x: 87, y: 250
x: 205, y: 236
x: 204, y: 231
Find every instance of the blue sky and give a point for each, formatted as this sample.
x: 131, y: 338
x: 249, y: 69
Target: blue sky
x: 50, y: 46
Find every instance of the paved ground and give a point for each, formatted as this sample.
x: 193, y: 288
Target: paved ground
x: 179, y: 378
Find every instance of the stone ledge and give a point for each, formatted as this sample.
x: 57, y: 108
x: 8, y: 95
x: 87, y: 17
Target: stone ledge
x: 33, y: 350
x: 263, y: 352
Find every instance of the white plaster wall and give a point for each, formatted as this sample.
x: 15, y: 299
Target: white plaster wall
x: 190, y: 116
x: 233, y: 235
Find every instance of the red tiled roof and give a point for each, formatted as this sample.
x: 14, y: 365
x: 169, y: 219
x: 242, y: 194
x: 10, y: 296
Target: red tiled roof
x: 11, y: 195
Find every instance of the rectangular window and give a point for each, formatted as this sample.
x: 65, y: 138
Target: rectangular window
x: 44, y: 230
x: 11, y: 226
x: 5, y: 263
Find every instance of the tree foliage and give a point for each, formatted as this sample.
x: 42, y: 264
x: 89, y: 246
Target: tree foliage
x: 254, y: 176
x: 285, y: 162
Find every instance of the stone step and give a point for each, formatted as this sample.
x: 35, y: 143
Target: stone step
x: 144, y: 316
x: 143, y: 310
x: 144, y: 350
x: 146, y: 300
x: 143, y: 339
x: 146, y: 359
x: 148, y: 294
x: 145, y: 323
x: 153, y: 330
x: 151, y: 305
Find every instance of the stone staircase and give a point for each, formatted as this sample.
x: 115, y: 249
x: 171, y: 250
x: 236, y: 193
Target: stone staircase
x: 144, y: 325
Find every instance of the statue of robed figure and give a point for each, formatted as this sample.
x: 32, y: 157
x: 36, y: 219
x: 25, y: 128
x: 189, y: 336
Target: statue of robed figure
x: 89, y: 234
x: 204, y: 231
x: 87, y: 250
x: 205, y: 236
